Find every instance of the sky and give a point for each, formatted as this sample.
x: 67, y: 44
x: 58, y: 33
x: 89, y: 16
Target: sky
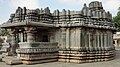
x: 9, y: 6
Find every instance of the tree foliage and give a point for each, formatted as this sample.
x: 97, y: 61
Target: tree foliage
x: 116, y: 19
x: 4, y: 32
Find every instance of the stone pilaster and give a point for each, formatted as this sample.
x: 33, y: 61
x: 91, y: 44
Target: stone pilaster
x: 90, y: 41
x: 108, y: 41
x: 105, y: 41
x: 95, y: 42
x: 102, y: 41
x: 111, y: 40
x: 73, y: 39
x: 98, y: 42
x: 78, y: 34
x: 68, y: 38
x: 63, y: 38
x: 87, y: 41
x: 83, y: 40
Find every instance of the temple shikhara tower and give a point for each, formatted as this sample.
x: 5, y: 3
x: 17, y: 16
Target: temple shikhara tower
x: 69, y: 36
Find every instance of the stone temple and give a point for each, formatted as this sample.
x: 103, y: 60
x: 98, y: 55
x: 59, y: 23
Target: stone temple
x: 82, y: 36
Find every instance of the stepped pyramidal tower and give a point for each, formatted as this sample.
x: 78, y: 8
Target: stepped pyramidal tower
x: 69, y: 36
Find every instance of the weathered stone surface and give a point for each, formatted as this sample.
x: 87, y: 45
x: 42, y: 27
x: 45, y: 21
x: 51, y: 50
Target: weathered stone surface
x: 5, y: 47
x: 37, y: 52
x: 11, y: 60
x: 83, y: 57
x: 38, y: 44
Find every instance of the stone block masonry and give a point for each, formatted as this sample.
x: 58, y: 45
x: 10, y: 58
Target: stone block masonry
x: 87, y: 45
x: 37, y: 52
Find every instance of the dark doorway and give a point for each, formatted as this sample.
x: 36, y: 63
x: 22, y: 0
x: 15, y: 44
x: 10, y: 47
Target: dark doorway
x: 45, y: 38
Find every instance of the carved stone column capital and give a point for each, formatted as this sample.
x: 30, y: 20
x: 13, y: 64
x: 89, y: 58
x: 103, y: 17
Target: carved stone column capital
x: 12, y: 31
x: 29, y: 28
x: 30, y: 33
x: 63, y: 29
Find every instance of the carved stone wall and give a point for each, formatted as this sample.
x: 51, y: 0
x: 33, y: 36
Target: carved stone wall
x: 86, y: 43
x: 37, y: 52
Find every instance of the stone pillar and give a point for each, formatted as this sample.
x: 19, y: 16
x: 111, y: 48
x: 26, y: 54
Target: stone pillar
x: 30, y: 34
x: 21, y: 36
x: 13, y: 43
x: 52, y: 35
x: 116, y: 45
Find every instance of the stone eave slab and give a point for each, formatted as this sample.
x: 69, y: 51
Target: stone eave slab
x: 17, y: 24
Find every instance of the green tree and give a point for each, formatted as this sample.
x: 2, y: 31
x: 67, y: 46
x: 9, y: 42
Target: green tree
x: 4, y: 32
x: 116, y: 19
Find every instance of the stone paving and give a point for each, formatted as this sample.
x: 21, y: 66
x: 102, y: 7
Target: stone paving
x: 112, y: 63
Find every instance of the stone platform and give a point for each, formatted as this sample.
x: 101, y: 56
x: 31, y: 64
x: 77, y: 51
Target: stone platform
x: 11, y: 60
x: 85, y: 56
x: 37, y: 52
x: 112, y: 63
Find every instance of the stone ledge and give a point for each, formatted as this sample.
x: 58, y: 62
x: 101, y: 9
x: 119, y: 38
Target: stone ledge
x: 10, y: 60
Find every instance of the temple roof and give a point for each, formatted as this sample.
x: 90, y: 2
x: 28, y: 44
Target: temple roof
x: 7, y: 25
x: 90, y: 16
